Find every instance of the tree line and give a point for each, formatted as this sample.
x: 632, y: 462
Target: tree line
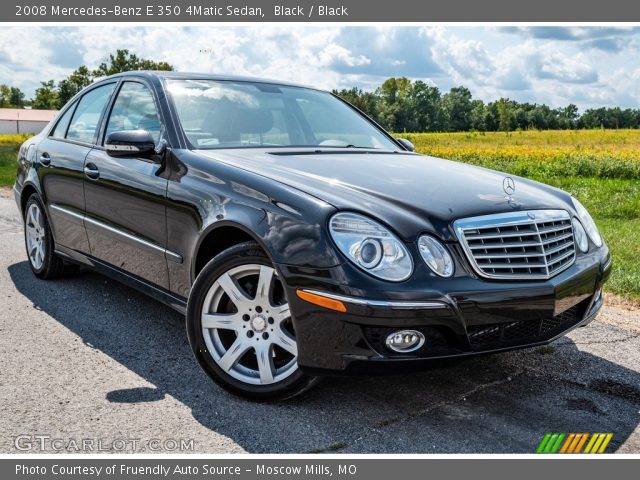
x: 53, y: 96
x: 399, y: 104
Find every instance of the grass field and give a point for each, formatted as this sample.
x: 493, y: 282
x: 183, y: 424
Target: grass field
x: 9, y: 145
x: 599, y: 167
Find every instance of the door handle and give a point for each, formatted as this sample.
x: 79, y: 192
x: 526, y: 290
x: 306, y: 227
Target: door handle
x: 91, y: 171
x: 45, y: 159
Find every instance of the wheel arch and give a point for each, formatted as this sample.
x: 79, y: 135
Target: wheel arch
x: 28, y: 189
x: 217, y: 238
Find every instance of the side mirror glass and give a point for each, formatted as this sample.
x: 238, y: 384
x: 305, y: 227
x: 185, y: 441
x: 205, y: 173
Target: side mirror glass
x: 406, y: 144
x: 130, y: 143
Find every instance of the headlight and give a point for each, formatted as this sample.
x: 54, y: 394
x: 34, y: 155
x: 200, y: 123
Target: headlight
x: 371, y: 246
x: 580, y: 235
x: 435, y: 256
x: 588, y: 223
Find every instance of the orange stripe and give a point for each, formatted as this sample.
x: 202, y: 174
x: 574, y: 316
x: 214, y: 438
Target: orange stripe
x: 567, y: 442
x: 575, y: 442
x: 582, y: 442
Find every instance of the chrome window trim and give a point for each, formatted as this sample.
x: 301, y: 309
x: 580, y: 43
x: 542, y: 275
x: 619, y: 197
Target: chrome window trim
x: 169, y: 255
x: 391, y: 304
x: 509, y: 219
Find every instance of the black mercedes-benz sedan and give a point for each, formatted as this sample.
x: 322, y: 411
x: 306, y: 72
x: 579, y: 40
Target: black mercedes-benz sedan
x: 299, y: 238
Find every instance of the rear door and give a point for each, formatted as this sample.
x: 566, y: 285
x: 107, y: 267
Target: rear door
x: 60, y: 158
x: 125, y: 197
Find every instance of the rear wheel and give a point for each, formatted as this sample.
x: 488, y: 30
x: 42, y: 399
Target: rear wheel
x: 43, y: 260
x: 240, y: 326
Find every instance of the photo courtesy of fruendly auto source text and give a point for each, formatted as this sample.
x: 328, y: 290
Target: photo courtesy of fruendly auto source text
x: 303, y: 240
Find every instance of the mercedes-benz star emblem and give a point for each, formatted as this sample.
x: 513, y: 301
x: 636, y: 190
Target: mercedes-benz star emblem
x: 508, y: 185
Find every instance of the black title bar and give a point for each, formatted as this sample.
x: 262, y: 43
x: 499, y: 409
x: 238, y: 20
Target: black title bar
x: 318, y: 11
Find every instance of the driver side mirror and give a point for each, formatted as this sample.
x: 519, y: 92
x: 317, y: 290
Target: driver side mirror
x: 406, y: 144
x: 130, y: 143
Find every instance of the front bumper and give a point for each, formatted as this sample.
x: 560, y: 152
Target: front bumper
x: 459, y: 317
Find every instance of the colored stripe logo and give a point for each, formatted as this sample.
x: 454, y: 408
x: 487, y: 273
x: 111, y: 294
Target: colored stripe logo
x: 574, y: 443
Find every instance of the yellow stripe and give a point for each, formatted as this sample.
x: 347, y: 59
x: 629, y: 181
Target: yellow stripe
x: 567, y: 442
x: 584, y: 439
x: 605, y: 443
x: 596, y: 445
x: 590, y: 444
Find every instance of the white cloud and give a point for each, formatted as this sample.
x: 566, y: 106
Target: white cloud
x: 588, y: 66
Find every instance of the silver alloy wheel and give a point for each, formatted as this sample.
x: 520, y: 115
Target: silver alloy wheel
x: 248, y: 331
x: 35, y: 233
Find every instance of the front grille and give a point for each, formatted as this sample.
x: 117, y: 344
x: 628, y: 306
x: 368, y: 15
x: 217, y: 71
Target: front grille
x: 535, y: 244
x: 503, y: 334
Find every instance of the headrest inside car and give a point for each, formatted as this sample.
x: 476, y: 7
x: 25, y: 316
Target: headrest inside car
x: 228, y: 122
x: 252, y: 121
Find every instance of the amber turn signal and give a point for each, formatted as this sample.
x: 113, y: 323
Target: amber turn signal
x: 325, y: 302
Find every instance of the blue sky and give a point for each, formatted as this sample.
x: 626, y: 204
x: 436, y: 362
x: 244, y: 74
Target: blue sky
x: 588, y: 66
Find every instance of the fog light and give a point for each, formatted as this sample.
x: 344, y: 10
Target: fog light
x: 405, y: 341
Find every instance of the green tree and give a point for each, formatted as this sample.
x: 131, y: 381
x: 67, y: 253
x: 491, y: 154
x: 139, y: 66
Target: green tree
x: 5, y: 96
x: 16, y: 98
x: 123, y: 61
x: 457, y: 108
x: 365, y: 101
x: 424, y: 102
x: 46, y: 96
x: 67, y: 88
x: 394, y: 104
x: 505, y: 114
x: 479, y: 114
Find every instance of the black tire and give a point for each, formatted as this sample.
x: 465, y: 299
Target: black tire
x: 248, y: 253
x: 52, y: 265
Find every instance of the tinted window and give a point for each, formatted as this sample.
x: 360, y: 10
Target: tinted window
x: 134, y: 109
x: 84, y: 126
x: 61, y: 128
x: 225, y: 114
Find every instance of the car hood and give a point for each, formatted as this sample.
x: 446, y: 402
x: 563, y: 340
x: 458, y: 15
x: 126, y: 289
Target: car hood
x: 410, y: 193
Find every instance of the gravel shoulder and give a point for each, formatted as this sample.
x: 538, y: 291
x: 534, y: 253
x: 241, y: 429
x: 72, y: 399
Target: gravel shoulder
x: 88, y: 358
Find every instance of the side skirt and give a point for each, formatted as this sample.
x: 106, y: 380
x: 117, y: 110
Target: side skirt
x: 176, y: 302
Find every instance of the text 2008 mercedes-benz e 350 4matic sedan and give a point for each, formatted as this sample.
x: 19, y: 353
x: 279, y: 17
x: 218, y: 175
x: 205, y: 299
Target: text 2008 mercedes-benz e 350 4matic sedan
x: 298, y: 237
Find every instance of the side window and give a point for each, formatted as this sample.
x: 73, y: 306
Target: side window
x: 134, y: 109
x: 61, y: 127
x: 84, y: 126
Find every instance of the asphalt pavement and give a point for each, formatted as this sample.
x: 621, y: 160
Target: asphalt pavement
x: 87, y: 364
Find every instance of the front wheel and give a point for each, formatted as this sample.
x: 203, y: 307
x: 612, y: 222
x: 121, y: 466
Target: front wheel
x: 240, y: 327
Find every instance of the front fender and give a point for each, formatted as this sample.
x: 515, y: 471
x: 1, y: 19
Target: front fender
x: 289, y: 224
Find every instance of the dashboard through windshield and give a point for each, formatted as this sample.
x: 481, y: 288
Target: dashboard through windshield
x: 231, y: 114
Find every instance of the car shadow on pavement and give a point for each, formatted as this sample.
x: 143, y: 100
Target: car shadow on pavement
x: 496, y: 403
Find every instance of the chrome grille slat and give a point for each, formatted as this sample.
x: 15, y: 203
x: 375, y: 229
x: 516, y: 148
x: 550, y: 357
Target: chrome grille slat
x: 506, y: 245
x: 557, y: 239
x: 508, y: 255
x: 535, y: 244
x: 503, y: 235
x: 514, y: 265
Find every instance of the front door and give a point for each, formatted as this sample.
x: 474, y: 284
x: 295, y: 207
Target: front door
x: 125, y: 197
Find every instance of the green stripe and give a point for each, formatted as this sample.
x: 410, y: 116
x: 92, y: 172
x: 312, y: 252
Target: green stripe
x: 555, y: 448
x: 544, y: 441
x: 550, y: 443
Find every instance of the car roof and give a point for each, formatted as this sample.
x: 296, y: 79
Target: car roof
x: 159, y: 74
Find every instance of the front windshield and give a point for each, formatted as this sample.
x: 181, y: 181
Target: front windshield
x: 230, y: 114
